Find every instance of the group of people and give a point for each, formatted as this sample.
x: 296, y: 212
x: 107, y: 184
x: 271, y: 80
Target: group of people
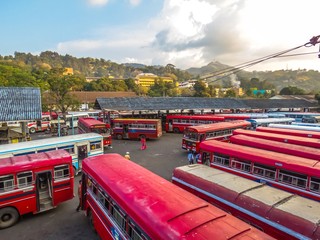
x: 193, y: 157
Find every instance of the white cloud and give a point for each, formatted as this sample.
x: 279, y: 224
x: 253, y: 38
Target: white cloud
x: 97, y: 2
x: 192, y: 33
x: 135, y: 2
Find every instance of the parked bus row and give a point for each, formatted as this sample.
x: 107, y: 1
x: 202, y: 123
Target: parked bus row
x: 286, y: 148
x: 194, y: 135
x: 291, y: 173
x: 278, y: 213
x: 123, y: 200
x: 303, y: 141
x: 34, y: 183
x: 299, y: 126
x: 291, y: 132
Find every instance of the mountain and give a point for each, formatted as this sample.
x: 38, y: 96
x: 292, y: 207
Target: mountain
x: 308, y: 80
x: 91, y: 67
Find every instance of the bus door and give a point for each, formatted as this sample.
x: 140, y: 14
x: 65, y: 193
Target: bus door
x: 125, y: 130
x: 170, y: 125
x: 44, y: 190
x: 82, y: 154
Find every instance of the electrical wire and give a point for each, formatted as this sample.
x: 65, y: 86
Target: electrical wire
x: 234, y: 69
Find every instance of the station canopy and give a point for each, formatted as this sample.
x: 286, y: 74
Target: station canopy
x: 174, y: 103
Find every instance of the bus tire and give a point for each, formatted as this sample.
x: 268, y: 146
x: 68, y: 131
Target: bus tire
x: 32, y: 130
x: 176, y: 130
x: 8, y: 217
x: 119, y: 136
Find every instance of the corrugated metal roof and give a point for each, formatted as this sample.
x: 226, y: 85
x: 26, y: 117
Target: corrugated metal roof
x: 278, y: 103
x: 18, y: 104
x: 167, y: 103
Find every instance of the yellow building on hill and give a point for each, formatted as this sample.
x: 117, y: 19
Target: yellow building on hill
x: 68, y: 71
x: 149, y: 79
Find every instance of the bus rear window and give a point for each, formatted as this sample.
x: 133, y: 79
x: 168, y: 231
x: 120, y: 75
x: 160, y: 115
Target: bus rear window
x: 61, y: 171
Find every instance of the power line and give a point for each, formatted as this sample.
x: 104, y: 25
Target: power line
x: 234, y: 69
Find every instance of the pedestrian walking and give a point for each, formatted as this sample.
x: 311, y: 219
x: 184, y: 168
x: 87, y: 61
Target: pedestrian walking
x: 79, y: 195
x: 190, y: 157
x: 143, y: 143
x: 127, y: 156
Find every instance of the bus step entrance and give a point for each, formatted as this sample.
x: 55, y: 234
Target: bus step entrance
x: 45, y: 200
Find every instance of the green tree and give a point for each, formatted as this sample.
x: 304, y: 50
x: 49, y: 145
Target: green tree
x: 230, y: 93
x: 60, y: 87
x: 200, y: 89
x: 291, y: 90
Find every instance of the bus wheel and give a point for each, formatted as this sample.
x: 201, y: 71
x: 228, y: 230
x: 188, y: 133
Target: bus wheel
x: 8, y: 217
x: 32, y: 130
x: 90, y: 220
x: 176, y: 130
x: 119, y: 136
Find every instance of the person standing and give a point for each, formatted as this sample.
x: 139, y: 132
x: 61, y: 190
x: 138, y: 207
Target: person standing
x: 79, y: 195
x: 190, y: 157
x: 143, y: 143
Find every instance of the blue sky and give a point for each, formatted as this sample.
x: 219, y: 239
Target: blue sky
x: 186, y: 33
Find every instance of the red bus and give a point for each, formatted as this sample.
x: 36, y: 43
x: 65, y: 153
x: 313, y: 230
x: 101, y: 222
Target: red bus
x: 291, y: 173
x: 194, y: 135
x: 126, y: 201
x: 280, y: 214
x: 287, y: 148
x: 34, y: 183
x: 89, y: 124
x: 292, y: 132
x: 133, y: 128
x: 178, y: 123
x: 303, y: 141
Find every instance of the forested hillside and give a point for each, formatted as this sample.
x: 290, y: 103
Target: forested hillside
x: 26, y: 69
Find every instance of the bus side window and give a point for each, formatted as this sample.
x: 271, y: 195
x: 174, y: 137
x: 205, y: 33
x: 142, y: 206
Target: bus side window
x: 24, y: 179
x: 135, y: 232
x: 118, y: 216
x: 95, y: 145
x: 6, y: 183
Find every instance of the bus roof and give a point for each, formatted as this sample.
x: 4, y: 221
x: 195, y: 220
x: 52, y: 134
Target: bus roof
x: 293, y: 132
x: 90, y: 121
x: 304, y: 127
x: 270, y: 120
x: 135, y: 120
x: 271, y: 203
x: 163, y: 210
x: 196, y: 117
x: 287, y: 148
x: 31, y: 161
x: 219, y: 126
x: 304, y: 141
x: 7, y: 148
x: 268, y: 158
